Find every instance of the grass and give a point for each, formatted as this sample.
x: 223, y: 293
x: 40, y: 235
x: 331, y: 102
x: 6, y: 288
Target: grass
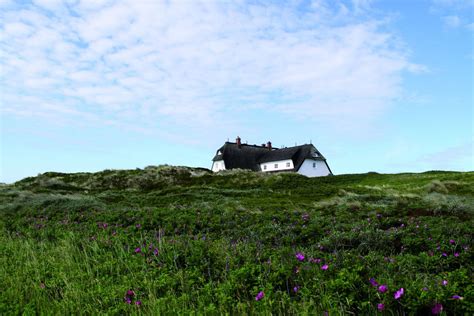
x: 187, y: 241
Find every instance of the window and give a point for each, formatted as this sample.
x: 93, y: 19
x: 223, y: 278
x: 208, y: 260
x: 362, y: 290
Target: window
x: 314, y: 165
x: 288, y: 165
x: 264, y: 167
x: 276, y: 166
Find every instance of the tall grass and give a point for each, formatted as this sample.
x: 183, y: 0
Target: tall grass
x: 208, y: 244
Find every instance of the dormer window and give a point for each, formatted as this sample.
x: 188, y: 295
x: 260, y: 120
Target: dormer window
x: 219, y: 152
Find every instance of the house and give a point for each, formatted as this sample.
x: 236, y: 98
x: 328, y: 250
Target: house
x: 304, y: 159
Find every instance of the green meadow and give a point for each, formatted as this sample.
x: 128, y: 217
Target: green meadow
x: 177, y: 241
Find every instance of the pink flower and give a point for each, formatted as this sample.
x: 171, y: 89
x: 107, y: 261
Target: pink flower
x: 259, y: 296
x: 138, y: 303
x: 383, y: 288
x: 399, y: 293
x: 299, y: 256
x: 373, y: 282
x: 444, y: 282
x: 380, y: 307
x: 324, y: 267
x: 437, y: 309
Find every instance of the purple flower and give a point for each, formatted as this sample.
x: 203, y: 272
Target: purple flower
x: 259, y: 296
x: 425, y: 289
x: 444, y: 254
x: 456, y: 297
x: 138, y: 250
x: 379, y: 216
x: 324, y: 267
x: 373, y: 282
x: 130, y: 293
x: 127, y: 300
x: 380, y: 306
x: 437, y: 309
x: 451, y: 241
x: 315, y: 260
x: 456, y: 254
x: 138, y: 225
x: 138, y: 303
x: 383, y: 288
x: 444, y: 282
x: 296, y: 288
x: 155, y: 252
x: 305, y: 216
x: 399, y: 293
x: 299, y: 256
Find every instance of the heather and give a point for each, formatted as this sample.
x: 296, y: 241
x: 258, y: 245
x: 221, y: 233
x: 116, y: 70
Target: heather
x: 176, y: 240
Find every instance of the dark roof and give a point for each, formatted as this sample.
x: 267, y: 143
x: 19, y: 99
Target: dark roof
x: 250, y: 156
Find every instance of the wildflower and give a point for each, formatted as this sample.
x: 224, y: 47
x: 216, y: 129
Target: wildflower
x: 373, y: 282
x: 456, y: 254
x: 456, y: 297
x: 452, y: 242
x: 437, y: 309
x: 324, y: 267
x: 42, y: 285
x: 127, y: 300
x: 305, y: 217
x: 425, y: 289
x: 444, y: 254
x: 444, y: 282
x: 296, y: 288
x: 380, y: 307
x: 138, y: 225
x: 138, y: 250
x: 383, y: 288
x: 138, y: 303
x: 259, y: 296
x: 155, y: 252
x: 379, y: 216
x: 130, y: 293
x: 399, y: 293
x: 299, y: 256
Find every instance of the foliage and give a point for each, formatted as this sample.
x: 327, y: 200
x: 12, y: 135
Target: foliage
x: 178, y: 240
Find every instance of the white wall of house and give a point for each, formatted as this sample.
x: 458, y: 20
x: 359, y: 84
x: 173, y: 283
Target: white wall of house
x: 314, y: 168
x: 277, y: 165
x: 218, y: 165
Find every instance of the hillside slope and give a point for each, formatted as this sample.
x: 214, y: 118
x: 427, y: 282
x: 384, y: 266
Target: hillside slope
x: 184, y: 239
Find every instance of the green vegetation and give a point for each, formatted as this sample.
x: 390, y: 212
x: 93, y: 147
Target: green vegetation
x: 175, y: 240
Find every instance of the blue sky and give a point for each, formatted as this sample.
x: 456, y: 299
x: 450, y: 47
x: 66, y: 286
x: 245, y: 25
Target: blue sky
x: 382, y: 86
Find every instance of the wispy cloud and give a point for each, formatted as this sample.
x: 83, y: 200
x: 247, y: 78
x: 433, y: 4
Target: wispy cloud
x: 454, y: 13
x: 189, y: 64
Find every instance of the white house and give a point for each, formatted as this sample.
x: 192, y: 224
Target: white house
x: 304, y: 159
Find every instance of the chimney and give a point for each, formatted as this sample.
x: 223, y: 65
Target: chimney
x: 237, y: 140
x: 269, y: 145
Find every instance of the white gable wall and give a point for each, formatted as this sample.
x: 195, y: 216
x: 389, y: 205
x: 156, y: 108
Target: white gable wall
x: 276, y: 165
x: 314, y: 168
x: 218, y: 165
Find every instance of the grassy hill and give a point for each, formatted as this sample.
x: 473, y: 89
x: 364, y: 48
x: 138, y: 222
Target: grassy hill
x: 177, y: 240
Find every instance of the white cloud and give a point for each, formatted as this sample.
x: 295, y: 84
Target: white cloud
x: 198, y: 63
x: 452, y: 21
